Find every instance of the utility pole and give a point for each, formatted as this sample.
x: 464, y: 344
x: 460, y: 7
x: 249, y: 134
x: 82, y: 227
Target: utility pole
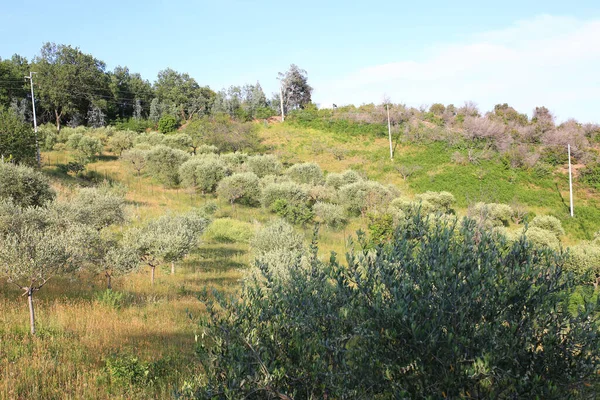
x: 281, y: 102
x: 570, y: 180
x: 37, y: 144
x: 387, y: 106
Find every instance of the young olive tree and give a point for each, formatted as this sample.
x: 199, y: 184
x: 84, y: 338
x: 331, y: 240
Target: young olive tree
x: 30, y: 256
x: 24, y: 185
x: 94, y: 207
x: 136, y: 158
x: 164, y: 163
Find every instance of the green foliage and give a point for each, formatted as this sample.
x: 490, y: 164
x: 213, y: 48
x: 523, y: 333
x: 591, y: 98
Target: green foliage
x: 203, y: 173
x: 207, y: 149
x: 17, y: 139
x: 263, y: 165
x: 540, y: 237
x: 291, y: 192
x: 227, y: 230
x: 590, y: 175
x: 549, y: 223
x: 585, y: 261
x: 24, y: 185
x: 440, y: 201
x: 243, y: 188
x: 307, y: 173
x: 87, y: 146
x: 363, y: 196
x: 163, y: 162
x: 554, y: 155
x: 332, y: 215
x: 136, y: 158
x: 420, y: 317
x: 121, y: 141
x: 112, y: 299
x: 278, y: 244
x: 179, y: 141
x: 94, y: 207
x: 129, y: 370
x: 381, y: 227
x: 296, y: 213
x: 493, y: 214
x: 167, y: 124
x: 345, y: 178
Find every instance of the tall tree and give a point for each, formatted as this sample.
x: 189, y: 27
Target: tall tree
x: 129, y: 90
x: 12, y: 84
x: 295, y: 89
x: 70, y: 82
x: 184, y: 92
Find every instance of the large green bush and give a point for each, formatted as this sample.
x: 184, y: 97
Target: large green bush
x: 243, y: 188
x: 549, y: 223
x: 288, y: 191
x: 307, y: 173
x: 24, y: 186
x: 492, y: 214
x: 179, y: 141
x: 332, y: 215
x: 585, y: 261
x: 437, y: 312
x: 440, y: 201
x: 167, y: 123
x: 263, y: 165
x: 203, y: 173
x: 17, y: 139
x: 362, y: 196
x: 163, y: 162
x: 345, y: 178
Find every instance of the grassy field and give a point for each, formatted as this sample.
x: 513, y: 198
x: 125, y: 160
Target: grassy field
x: 139, y: 341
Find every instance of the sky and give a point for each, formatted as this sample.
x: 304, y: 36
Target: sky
x: 524, y: 53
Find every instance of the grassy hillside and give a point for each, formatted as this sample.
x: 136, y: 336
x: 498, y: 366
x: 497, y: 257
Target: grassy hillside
x: 139, y: 342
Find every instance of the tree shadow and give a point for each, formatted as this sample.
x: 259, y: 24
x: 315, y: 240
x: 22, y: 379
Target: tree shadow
x: 562, y: 199
x: 107, y: 157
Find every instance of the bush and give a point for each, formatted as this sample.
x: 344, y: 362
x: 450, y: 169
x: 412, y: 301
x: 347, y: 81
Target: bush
x: 362, y: 196
x: 243, y: 188
x: 179, y: 141
x: 549, y: 223
x: 163, y: 162
x: 227, y: 230
x: 167, y: 123
x: 326, y: 194
x: 540, y: 237
x: 121, y: 141
x: 25, y: 186
x: 332, y: 215
x: 440, y: 201
x: 493, y: 214
x: 203, y: 173
x: 421, y: 317
x: 338, y: 180
x: 585, y: 261
x: 17, y: 139
x: 207, y: 149
x: 150, y: 138
x: 590, y: 175
x: 235, y: 160
x: 277, y: 242
x: 264, y: 165
x: 289, y: 191
x: 307, y: 173
x: 95, y: 207
x: 136, y: 158
x: 293, y: 212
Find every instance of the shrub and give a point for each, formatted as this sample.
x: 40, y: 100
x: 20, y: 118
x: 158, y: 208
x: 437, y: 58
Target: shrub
x: 291, y: 192
x: 494, y: 214
x: 359, y: 197
x: 227, y: 230
x: 179, y: 141
x: 121, y: 141
x: 163, y: 162
x: 321, y: 193
x: 136, y: 158
x: 167, y: 123
x: 243, y: 188
x: 17, y: 139
x: 440, y: 201
x: 585, y: 261
x: 422, y: 207
x: 421, y: 317
x: 203, y: 173
x: 590, y: 175
x: 235, y: 160
x: 97, y: 208
x: 307, y: 173
x: 549, y: 223
x: 277, y: 235
x: 264, y: 165
x: 338, y: 180
x: 332, y: 215
x: 25, y: 186
x: 381, y: 227
x: 207, y: 149
x: 150, y: 138
x: 296, y: 213
x: 554, y: 155
x: 541, y: 237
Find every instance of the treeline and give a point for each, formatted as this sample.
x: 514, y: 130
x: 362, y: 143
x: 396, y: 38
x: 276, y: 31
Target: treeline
x: 75, y: 88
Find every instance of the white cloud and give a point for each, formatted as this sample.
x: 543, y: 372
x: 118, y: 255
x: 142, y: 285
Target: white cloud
x: 547, y: 60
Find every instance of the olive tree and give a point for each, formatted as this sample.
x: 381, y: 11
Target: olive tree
x: 136, y: 158
x: 164, y: 162
x: 308, y: 173
x: 24, y: 185
x: 444, y: 310
x: 94, y: 207
x: 203, y: 173
x: 121, y: 141
x: 243, y: 188
x: 30, y: 256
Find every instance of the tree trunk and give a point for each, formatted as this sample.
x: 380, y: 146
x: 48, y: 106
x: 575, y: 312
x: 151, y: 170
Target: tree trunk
x: 172, y: 268
x: 31, y: 310
x: 596, y: 283
x: 57, y: 119
x: 108, y: 281
x: 152, y: 268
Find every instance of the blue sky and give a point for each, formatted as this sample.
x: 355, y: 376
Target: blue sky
x: 526, y: 53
